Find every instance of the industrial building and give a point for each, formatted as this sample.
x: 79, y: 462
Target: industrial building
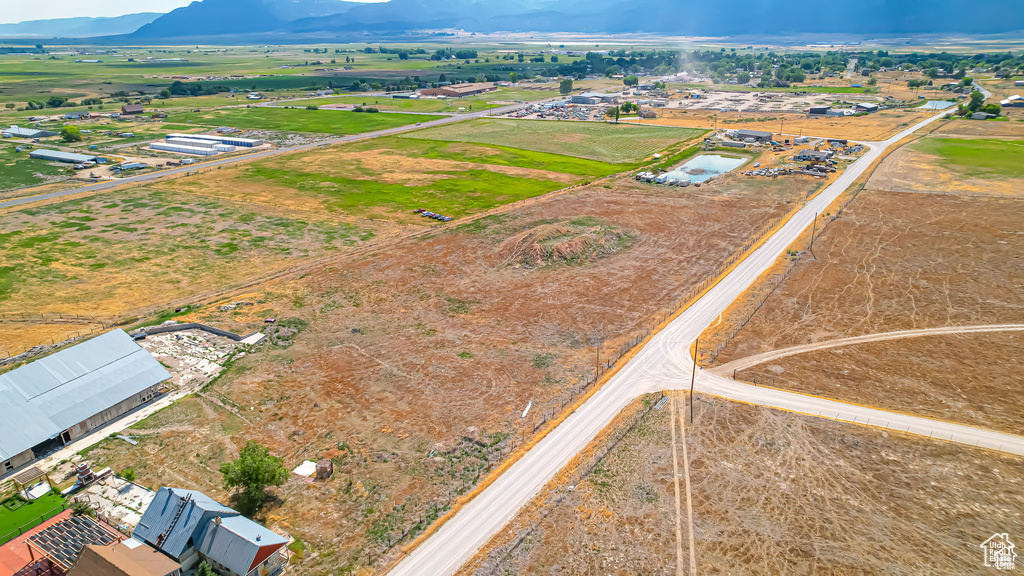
x: 219, y: 139
x: 819, y: 110
x: 189, y: 526
x: 866, y: 107
x: 756, y: 135
x: 182, y: 148
x: 51, y: 401
x: 459, y: 90
x: 60, y: 156
x: 18, y: 132
x: 813, y: 155
x: 592, y: 98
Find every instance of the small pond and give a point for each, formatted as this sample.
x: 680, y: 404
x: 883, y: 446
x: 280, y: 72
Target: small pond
x: 705, y: 166
x: 936, y: 105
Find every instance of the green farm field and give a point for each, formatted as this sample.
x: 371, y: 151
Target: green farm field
x: 387, y: 178
x: 618, y: 143
x: 300, y: 120
x: 978, y: 157
x: 20, y: 171
x: 118, y: 251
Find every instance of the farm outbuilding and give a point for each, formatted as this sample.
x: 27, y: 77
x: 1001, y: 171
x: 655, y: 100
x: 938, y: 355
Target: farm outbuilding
x: 19, y: 132
x: 51, y: 401
x: 132, y: 109
x: 170, y: 146
x: 220, y: 139
x: 61, y: 156
x: 459, y: 90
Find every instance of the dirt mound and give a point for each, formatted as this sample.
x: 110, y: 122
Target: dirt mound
x: 564, y: 242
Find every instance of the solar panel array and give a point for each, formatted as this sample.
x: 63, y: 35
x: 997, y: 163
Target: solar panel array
x: 63, y: 541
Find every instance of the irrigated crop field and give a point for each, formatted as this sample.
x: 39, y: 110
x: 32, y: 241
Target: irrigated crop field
x: 597, y: 141
x: 973, y: 166
x: 777, y: 493
x: 413, y: 367
x: 897, y: 261
x: 299, y: 119
x: 387, y: 178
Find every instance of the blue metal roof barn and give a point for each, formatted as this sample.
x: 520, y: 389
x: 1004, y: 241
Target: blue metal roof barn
x: 42, y: 399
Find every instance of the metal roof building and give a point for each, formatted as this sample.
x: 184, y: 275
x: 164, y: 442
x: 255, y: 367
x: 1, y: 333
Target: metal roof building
x: 60, y: 156
x: 169, y: 531
x: 19, y: 132
x: 188, y: 525
x: 68, y: 393
x: 239, y: 544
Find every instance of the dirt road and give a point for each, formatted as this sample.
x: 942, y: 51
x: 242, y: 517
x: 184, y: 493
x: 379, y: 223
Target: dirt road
x: 664, y: 363
x: 749, y: 361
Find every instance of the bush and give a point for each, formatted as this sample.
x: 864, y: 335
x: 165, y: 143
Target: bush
x: 82, y: 509
x: 312, y: 107
x: 128, y: 474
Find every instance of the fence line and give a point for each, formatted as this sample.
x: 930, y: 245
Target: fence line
x: 577, y: 470
x: 42, y: 518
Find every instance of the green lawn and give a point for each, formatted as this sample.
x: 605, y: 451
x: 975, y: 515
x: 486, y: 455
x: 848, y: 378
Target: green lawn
x: 300, y: 120
x: 982, y: 158
x: 28, y: 515
x: 619, y: 143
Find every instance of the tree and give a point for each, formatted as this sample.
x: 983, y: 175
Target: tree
x: 626, y: 107
x: 56, y: 101
x: 442, y: 78
x: 630, y: 80
x: 128, y: 474
x: 743, y: 77
x: 513, y: 77
x: 253, y: 471
x: 977, y: 99
x: 205, y: 570
x: 71, y: 134
x: 9, y: 105
x: 872, y: 81
x: 565, y: 86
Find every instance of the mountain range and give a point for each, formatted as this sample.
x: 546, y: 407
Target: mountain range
x: 83, y: 27
x: 284, y: 20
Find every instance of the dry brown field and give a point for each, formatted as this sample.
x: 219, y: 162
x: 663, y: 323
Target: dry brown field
x: 896, y: 261
x: 873, y: 127
x: 413, y: 366
x: 778, y: 493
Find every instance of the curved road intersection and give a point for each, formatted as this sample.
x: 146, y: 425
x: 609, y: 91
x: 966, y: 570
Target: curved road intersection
x: 665, y: 363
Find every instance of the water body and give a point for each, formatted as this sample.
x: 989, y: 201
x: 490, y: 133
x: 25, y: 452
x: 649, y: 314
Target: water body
x: 705, y: 166
x: 936, y: 105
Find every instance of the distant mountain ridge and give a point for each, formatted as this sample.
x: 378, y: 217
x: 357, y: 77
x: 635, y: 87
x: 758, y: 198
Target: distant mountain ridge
x: 225, y: 21
x: 283, y: 18
x: 82, y: 27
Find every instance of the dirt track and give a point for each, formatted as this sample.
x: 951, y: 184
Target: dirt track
x: 751, y: 361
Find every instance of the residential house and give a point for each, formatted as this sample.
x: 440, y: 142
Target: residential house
x: 190, y: 526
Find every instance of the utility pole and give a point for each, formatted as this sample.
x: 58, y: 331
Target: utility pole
x: 782, y: 122
x: 693, y: 375
x: 814, y: 228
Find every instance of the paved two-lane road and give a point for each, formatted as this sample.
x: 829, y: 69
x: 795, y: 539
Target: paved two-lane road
x: 664, y: 363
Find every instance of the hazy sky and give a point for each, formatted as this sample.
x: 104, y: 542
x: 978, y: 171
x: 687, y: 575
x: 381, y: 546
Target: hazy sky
x: 19, y: 11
